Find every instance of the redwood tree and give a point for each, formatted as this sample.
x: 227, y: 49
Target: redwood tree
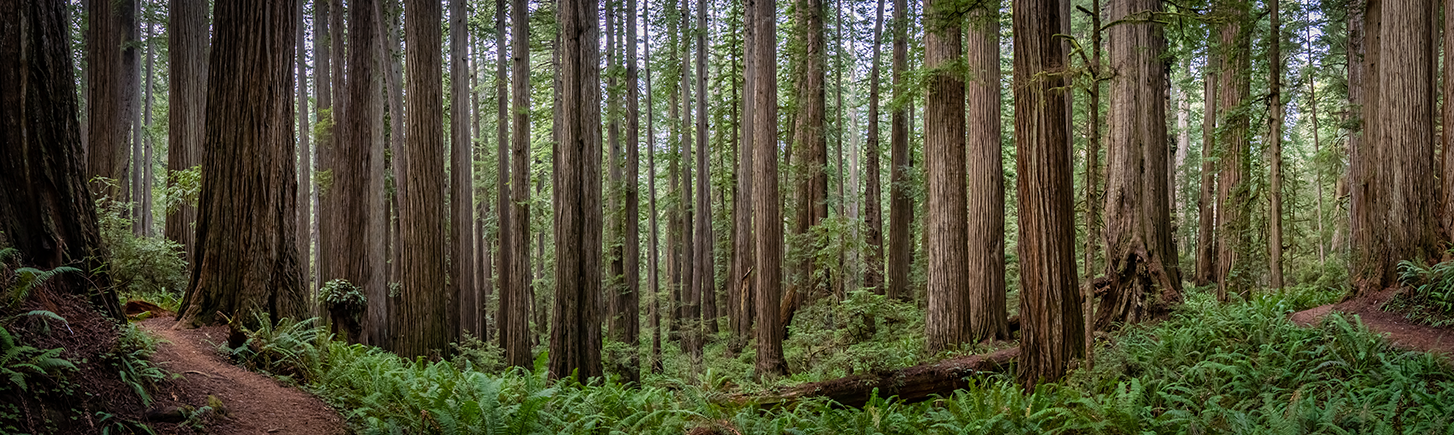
x: 107, y: 145
x: 46, y: 210
x: 247, y: 258
x: 1140, y: 255
x: 873, y: 276
x: 575, y: 333
x: 357, y: 190
x: 901, y: 201
x: 767, y: 210
x: 985, y: 277
x: 810, y: 142
x: 186, y: 99
x: 1050, y: 302
x: 423, y: 304
x: 1233, y: 187
x: 461, y: 168
x: 946, y: 320
x: 514, y: 305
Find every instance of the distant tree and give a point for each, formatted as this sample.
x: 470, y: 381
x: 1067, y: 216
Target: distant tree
x: 629, y: 300
x: 187, y: 101
x: 1274, y: 144
x: 422, y: 318
x: 461, y: 168
x: 810, y: 143
x: 901, y: 201
x: 1050, y: 302
x: 107, y: 145
x: 575, y: 333
x: 1206, y: 249
x: 743, y: 269
x: 947, y: 318
x: 706, y: 276
x: 304, y: 154
x: 514, y: 307
x: 873, y: 276
x: 247, y: 259
x: 46, y: 210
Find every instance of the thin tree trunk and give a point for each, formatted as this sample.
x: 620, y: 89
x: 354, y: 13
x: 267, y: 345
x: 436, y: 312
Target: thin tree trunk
x: 810, y: 142
x: 1093, y: 227
x: 767, y: 213
x: 1318, y: 146
x: 147, y: 163
x: 901, y: 202
x: 689, y: 299
x: 186, y: 102
x: 872, y: 198
x: 381, y: 312
x: 305, y: 158
x: 630, y: 299
x: 743, y: 252
x: 654, y: 320
x: 131, y: 73
x: 947, y: 318
x: 323, y: 91
x: 985, y: 197
x: 514, y: 293
x: 575, y: 333
x: 1050, y: 301
x: 461, y: 172
x: 615, y: 225
x: 1206, y: 271
x: 1274, y: 216
x: 248, y: 264
x: 705, y: 275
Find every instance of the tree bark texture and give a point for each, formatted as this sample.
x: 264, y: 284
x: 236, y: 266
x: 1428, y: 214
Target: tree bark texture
x: 985, y: 197
x: 107, y: 145
x: 705, y: 277
x: 947, y: 320
x: 357, y: 191
x: 873, y: 276
x: 461, y: 172
x: 1234, y: 196
x: 630, y: 299
x: 1050, y: 302
x: 1140, y: 254
x: 575, y: 333
x: 1274, y: 144
x: 247, y: 259
x: 810, y: 142
x: 187, y: 102
x: 1447, y: 121
x: 767, y: 210
x: 1206, y: 250
x: 47, y: 212
x: 1365, y: 258
x: 424, y: 301
x: 901, y: 201
x: 743, y: 253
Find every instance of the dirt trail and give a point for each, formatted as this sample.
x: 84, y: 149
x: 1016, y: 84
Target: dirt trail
x: 1400, y: 331
x: 254, y: 403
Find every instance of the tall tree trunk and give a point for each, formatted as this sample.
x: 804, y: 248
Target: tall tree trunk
x: 186, y: 102
x: 810, y: 142
x: 380, y: 323
x: 46, y: 210
x: 615, y: 225
x: 106, y: 148
x: 461, y: 172
x: 1093, y: 225
x: 519, y: 327
x: 767, y: 211
x: 575, y: 333
x: 1274, y: 144
x: 305, y: 157
x: 1447, y: 121
x: 247, y: 254
x: 1234, y: 194
x: 947, y: 318
x: 1140, y: 254
x: 743, y: 255
x: 873, y: 276
x: 1405, y: 134
x: 985, y: 197
x: 705, y: 275
x: 147, y: 163
x: 331, y: 88
x: 654, y: 319
x: 423, y: 303
x: 901, y: 201
x: 1050, y: 302
x: 1183, y: 148
x: 131, y: 78
x: 1318, y: 145
x: 1363, y: 71
x: 323, y: 91
x: 358, y: 168
x: 1206, y: 270
x: 689, y: 300
x: 514, y: 334
x: 629, y: 300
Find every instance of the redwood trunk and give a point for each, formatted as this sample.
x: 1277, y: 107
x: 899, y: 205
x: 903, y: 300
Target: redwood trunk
x: 1234, y: 194
x: 901, y: 201
x: 767, y: 211
x: 422, y: 318
x: 357, y: 189
x: 947, y: 320
x: 986, y: 193
x: 186, y: 101
x: 461, y: 172
x: 873, y: 276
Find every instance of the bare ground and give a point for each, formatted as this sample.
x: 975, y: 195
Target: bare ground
x: 1402, y: 332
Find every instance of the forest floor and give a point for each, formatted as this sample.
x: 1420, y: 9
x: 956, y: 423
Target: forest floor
x: 252, y: 403
x: 1400, y: 331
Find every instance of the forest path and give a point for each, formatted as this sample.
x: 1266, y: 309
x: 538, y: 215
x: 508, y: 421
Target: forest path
x: 254, y: 403
x: 1400, y: 331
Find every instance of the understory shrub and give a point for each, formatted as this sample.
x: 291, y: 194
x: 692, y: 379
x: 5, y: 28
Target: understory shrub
x: 1428, y: 293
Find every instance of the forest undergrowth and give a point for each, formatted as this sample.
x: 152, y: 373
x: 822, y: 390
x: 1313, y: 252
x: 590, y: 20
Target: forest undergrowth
x: 1209, y: 368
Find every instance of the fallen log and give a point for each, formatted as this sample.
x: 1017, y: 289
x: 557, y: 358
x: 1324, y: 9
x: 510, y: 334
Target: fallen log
x: 913, y: 384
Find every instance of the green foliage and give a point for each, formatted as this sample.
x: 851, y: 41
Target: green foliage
x: 471, y: 353
x: 132, y: 359
x: 27, y: 279
x: 342, y: 296
x: 1428, y: 295
x: 182, y: 188
x: 20, y: 362
x: 147, y: 268
x: 863, y: 332
x: 289, y: 349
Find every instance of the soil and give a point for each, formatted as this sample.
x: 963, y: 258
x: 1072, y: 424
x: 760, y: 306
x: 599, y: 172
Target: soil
x: 253, y: 403
x: 1399, y: 330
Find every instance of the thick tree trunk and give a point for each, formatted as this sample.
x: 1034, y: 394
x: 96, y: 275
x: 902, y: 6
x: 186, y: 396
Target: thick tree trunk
x: 767, y: 211
x: 1365, y: 256
x: 986, y: 193
x: 946, y: 320
x: 47, y: 212
x: 424, y: 301
x: 1050, y: 301
x: 357, y: 189
x: 186, y: 102
x: 1274, y: 144
x: 1140, y: 254
x: 873, y: 276
x: 106, y: 148
x: 575, y: 333
x: 461, y: 172
x: 1405, y: 135
x: 901, y: 201
x: 246, y: 248
x: 1447, y: 121
x: 1234, y: 194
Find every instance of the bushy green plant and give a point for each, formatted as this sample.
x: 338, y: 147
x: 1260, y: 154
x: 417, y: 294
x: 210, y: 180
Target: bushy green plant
x: 20, y: 362
x: 471, y: 353
x: 288, y: 349
x: 341, y: 295
x: 132, y: 359
x: 147, y: 268
x: 1428, y: 294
